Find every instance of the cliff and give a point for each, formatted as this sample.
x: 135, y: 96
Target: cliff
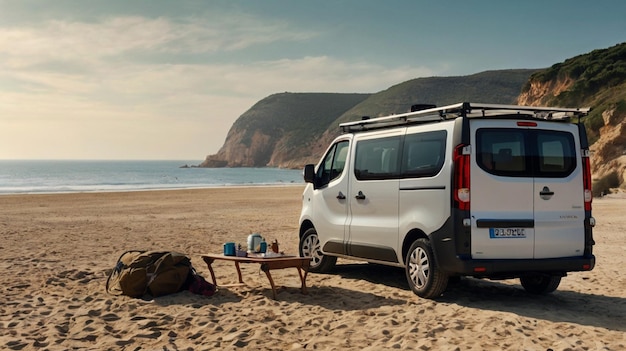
x: 279, y: 130
x: 608, y: 158
x: 598, y: 80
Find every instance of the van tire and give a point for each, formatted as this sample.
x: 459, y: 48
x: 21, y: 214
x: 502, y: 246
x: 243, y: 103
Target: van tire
x: 310, y: 247
x: 422, y: 272
x: 540, y: 283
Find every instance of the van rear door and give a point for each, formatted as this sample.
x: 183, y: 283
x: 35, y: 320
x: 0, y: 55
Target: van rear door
x: 501, y: 191
x: 526, y: 190
x: 558, y: 192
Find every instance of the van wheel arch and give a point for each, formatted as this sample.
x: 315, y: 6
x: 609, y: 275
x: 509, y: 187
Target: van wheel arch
x: 309, y: 246
x: 409, y: 239
x: 422, y: 271
x: 304, y: 226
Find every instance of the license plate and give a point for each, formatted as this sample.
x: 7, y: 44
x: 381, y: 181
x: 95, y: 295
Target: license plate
x: 497, y: 233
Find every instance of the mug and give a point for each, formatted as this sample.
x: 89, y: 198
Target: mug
x: 229, y: 249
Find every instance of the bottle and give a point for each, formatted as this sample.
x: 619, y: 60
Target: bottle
x: 263, y: 246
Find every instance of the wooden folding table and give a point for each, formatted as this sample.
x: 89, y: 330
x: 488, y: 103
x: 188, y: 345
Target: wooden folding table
x: 267, y: 264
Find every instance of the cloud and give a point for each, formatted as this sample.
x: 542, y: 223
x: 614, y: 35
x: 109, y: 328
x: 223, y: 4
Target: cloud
x: 78, y: 56
x: 331, y: 74
x: 115, y: 36
x: 105, y: 85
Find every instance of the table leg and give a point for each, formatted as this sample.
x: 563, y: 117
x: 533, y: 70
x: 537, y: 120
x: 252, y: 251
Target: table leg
x: 266, y: 269
x: 239, y: 272
x: 209, y: 261
x: 303, y: 279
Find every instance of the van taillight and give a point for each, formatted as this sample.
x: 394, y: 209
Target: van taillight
x: 462, y: 177
x: 587, y: 180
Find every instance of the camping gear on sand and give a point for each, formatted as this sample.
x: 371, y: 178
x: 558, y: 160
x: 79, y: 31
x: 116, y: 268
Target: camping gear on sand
x: 156, y: 273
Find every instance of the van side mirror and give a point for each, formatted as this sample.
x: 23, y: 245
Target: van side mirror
x: 309, y: 173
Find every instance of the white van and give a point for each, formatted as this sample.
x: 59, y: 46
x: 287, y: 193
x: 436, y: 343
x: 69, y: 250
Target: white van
x: 483, y: 190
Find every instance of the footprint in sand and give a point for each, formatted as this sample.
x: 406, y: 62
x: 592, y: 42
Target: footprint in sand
x: 153, y: 335
x: 110, y: 317
x: 16, y: 345
x: 124, y: 342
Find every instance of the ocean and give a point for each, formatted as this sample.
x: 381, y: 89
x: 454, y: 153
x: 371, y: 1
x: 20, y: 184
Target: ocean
x: 51, y: 176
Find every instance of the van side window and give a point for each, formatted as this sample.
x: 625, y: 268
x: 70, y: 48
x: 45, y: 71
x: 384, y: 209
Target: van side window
x: 423, y: 154
x: 333, y: 164
x: 377, y: 158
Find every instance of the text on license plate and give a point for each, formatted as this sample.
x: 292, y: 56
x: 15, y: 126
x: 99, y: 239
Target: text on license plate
x: 507, y: 232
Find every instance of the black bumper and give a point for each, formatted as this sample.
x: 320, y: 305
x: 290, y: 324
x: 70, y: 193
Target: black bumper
x: 452, y: 249
x: 516, y: 267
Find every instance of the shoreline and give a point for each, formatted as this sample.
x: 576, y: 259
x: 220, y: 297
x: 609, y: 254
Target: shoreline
x: 40, y: 177
x: 224, y: 186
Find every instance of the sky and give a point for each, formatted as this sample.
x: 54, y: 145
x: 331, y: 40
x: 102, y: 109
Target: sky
x: 165, y: 80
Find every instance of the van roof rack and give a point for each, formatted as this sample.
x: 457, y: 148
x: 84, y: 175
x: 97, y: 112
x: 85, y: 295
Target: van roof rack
x: 465, y: 110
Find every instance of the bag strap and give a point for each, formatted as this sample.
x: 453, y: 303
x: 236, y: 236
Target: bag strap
x: 157, y: 265
x: 115, y: 273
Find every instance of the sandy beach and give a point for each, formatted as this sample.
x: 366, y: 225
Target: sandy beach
x: 56, y: 251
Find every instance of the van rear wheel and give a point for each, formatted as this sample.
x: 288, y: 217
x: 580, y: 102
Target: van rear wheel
x: 310, y: 247
x: 540, y: 283
x: 424, y: 276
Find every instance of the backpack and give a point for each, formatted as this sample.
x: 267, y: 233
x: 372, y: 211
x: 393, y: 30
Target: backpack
x: 156, y: 273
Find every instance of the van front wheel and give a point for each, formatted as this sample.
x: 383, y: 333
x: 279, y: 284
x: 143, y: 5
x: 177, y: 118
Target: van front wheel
x: 424, y: 277
x: 540, y: 283
x: 310, y: 247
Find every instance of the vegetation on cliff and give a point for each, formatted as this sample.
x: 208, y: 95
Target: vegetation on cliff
x: 590, y: 73
x: 597, y: 80
x: 277, y: 130
x: 296, y: 116
x: 498, y: 87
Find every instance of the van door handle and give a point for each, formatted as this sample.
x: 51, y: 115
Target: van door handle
x: 360, y: 196
x: 341, y: 196
x: 545, y: 193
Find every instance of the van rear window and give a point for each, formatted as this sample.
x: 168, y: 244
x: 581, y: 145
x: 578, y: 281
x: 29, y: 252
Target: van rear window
x: 526, y: 153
